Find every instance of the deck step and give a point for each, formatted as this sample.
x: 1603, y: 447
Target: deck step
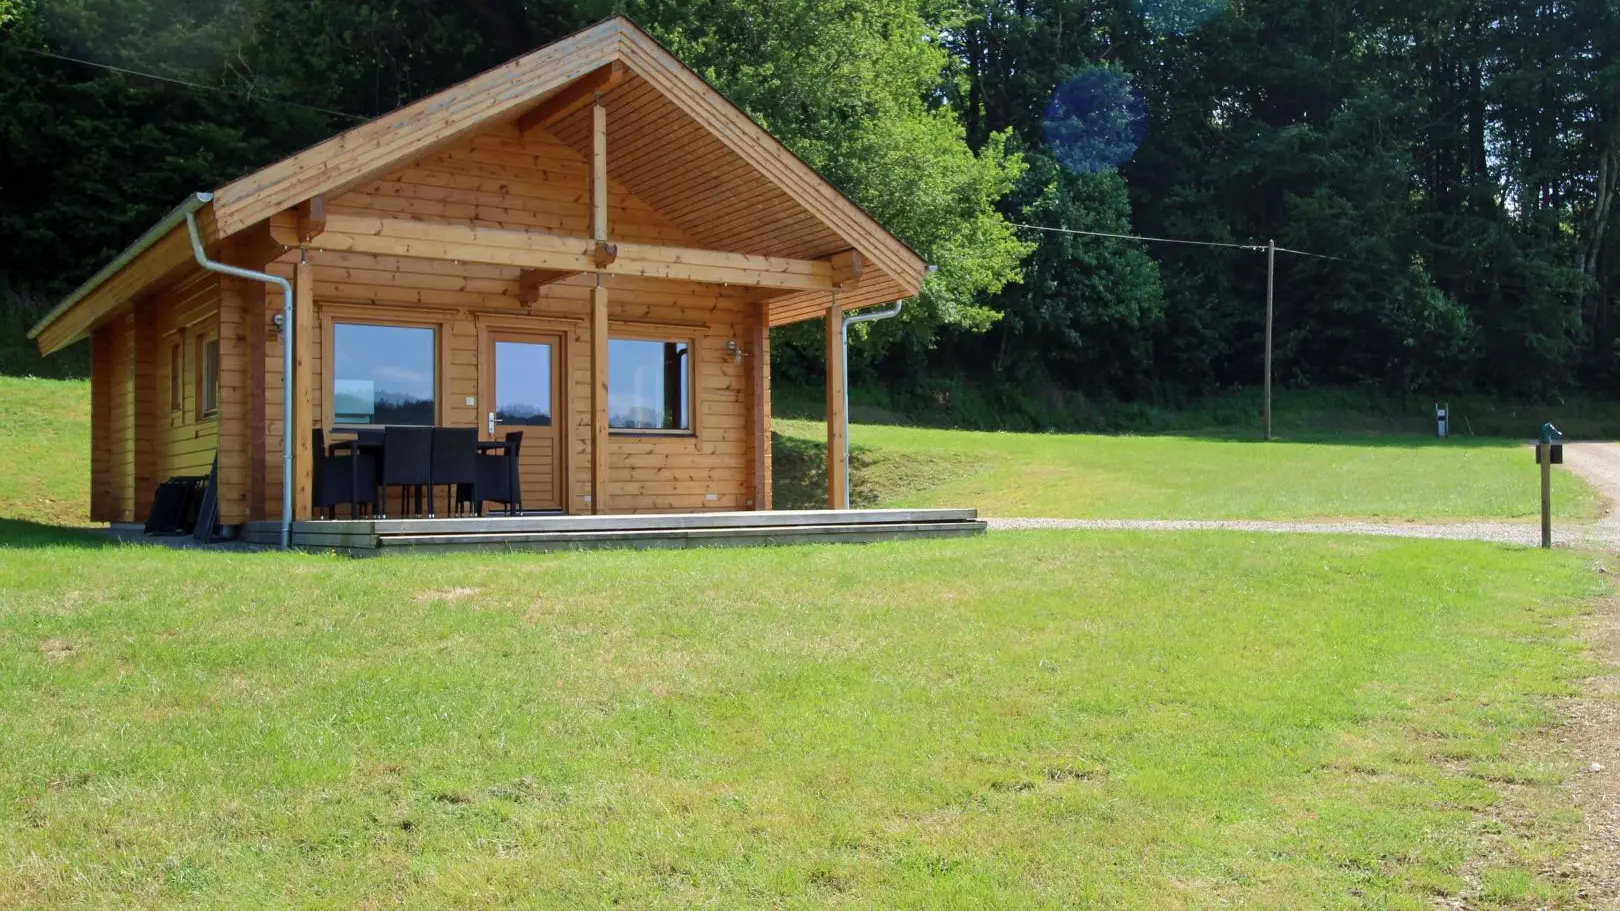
x: 665, y: 530
x: 680, y: 538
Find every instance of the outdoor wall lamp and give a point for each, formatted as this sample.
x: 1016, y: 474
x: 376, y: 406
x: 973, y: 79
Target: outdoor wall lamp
x: 278, y: 321
x: 736, y: 350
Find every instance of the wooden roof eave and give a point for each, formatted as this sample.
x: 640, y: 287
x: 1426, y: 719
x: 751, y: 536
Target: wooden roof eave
x: 154, y: 256
x: 360, y: 154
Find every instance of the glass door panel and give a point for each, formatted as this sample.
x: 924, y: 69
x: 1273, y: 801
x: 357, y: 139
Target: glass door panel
x: 523, y: 393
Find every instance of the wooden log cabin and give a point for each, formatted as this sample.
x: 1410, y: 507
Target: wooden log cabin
x: 589, y: 241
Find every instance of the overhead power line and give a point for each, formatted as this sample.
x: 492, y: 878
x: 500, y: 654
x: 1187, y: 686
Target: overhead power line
x: 1252, y: 248
x: 190, y: 85
x: 1152, y: 240
x: 1270, y: 249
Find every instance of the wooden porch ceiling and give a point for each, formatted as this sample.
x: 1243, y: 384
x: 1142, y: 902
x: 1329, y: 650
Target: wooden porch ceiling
x: 683, y: 170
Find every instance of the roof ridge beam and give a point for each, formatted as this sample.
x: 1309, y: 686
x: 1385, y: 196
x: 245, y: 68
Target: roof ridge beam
x: 574, y: 97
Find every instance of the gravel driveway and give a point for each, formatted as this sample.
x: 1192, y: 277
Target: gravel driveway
x: 1597, y: 463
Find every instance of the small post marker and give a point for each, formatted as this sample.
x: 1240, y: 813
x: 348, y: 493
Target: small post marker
x: 1548, y: 454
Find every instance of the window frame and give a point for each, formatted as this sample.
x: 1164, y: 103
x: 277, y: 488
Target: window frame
x: 207, y: 385
x: 177, y: 376
x: 630, y: 334
x: 332, y: 316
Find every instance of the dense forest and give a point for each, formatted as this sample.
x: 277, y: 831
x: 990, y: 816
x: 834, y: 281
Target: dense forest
x: 1456, y: 159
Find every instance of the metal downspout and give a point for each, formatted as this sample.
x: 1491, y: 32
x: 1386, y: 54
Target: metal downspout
x: 287, y: 325
x: 870, y: 316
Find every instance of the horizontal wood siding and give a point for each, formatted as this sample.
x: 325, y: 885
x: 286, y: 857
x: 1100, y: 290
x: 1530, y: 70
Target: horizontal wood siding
x: 112, y: 459
x: 501, y: 180
x: 186, y: 316
x: 498, y: 179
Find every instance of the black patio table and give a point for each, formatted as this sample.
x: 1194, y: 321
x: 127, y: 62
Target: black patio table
x: 372, y: 441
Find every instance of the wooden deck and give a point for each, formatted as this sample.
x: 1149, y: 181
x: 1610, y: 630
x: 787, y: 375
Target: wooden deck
x: 367, y: 537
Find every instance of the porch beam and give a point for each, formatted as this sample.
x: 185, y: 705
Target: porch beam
x: 311, y: 218
x: 530, y: 281
x: 847, y: 268
x: 599, y: 398
x: 837, y: 426
x: 584, y: 91
x: 298, y: 225
x: 563, y: 253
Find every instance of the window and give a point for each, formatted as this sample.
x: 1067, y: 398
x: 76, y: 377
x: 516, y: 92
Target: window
x: 207, y: 377
x: 384, y: 374
x: 177, y: 375
x: 649, y: 385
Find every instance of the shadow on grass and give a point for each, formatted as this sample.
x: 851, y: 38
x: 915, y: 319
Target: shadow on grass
x: 24, y: 533
x: 877, y: 477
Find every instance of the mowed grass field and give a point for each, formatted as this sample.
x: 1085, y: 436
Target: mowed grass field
x: 1032, y: 720
x: 1169, y: 477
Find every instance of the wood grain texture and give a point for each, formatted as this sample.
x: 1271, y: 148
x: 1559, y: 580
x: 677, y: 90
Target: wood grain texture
x: 837, y: 426
x: 759, y: 349
x: 235, y: 399
x: 600, y: 471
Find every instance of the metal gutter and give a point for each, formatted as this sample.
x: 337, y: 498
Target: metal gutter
x: 869, y: 316
x: 153, y: 234
x: 287, y: 420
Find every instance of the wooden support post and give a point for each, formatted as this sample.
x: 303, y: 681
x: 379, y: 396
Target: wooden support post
x: 103, y: 385
x: 599, y: 313
x: 599, y: 398
x: 258, y: 336
x: 235, y: 430
x: 303, y: 386
x: 147, y: 419
x: 760, y: 351
x: 599, y: 180
x: 123, y: 417
x: 837, y: 426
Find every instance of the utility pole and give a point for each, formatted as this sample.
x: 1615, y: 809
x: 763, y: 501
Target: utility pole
x: 1271, y: 288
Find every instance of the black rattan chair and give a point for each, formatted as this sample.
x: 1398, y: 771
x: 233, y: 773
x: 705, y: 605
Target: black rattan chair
x: 407, y: 462
x: 499, y: 479
x: 454, y: 463
x: 338, y: 479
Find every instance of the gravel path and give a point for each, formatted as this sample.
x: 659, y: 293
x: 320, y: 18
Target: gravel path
x: 1597, y: 463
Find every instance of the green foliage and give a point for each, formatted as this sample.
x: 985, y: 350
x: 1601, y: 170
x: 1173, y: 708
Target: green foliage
x: 1455, y: 158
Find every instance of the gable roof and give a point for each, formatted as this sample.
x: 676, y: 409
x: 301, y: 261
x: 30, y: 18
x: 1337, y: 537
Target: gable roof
x: 729, y: 161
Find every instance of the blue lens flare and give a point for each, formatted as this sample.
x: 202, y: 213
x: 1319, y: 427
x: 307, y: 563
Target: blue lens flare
x: 1096, y: 121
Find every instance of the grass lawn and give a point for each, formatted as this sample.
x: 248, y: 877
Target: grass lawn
x: 1033, y: 720
x: 1025, y: 720
x: 1158, y: 477
x: 44, y: 450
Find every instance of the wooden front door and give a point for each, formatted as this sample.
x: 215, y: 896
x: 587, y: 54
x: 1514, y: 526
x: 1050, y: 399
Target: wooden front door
x: 520, y: 380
